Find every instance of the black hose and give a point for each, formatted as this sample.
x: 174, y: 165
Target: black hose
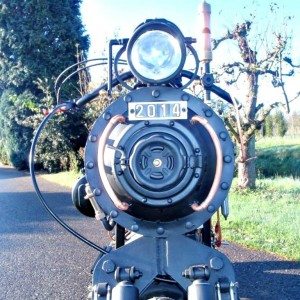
x: 64, y: 107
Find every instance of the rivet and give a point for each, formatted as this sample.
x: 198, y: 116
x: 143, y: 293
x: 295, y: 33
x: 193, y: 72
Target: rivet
x: 208, y: 113
x: 223, y: 135
x: 128, y: 98
x: 108, y: 266
x: 169, y: 200
x: 107, y: 116
x: 135, y: 228
x: 92, y: 138
x: 144, y: 200
x: 160, y: 230
x: 90, y: 165
x: 171, y: 123
x: 155, y: 93
x: 197, y: 150
x: 196, y: 175
x: 216, y: 263
x: 227, y: 158
x: 185, y: 97
x: 146, y: 123
x: 189, y: 225
x: 97, y: 192
x: 224, y: 186
x: 211, y: 208
x: 120, y: 173
x: 113, y: 214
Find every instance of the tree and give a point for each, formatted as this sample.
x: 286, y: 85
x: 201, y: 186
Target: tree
x: 38, y: 39
x: 253, y: 64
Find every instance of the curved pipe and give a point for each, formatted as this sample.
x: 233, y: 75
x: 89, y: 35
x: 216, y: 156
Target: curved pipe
x: 102, y: 142
x: 219, y: 164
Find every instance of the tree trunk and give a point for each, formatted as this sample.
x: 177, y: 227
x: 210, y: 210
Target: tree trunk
x: 246, y: 165
x: 246, y: 162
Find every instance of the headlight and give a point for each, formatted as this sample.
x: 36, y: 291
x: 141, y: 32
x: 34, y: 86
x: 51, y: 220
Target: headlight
x: 156, y: 52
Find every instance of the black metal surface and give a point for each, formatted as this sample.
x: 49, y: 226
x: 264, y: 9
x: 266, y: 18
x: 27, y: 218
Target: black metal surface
x: 79, y: 200
x: 164, y: 257
x: 194, y: 138
x: 120, y: 236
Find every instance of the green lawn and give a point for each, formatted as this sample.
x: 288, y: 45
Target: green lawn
x: 278, y: 157
x: 267, y: 218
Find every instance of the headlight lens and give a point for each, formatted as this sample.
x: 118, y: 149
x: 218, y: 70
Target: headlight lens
x: 156, y: 52
x: 156, y: 55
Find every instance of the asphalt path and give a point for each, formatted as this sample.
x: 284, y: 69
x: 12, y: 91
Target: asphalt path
x: 40, y: 260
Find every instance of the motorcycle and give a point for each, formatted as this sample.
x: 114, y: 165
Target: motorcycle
x: 158, y: 164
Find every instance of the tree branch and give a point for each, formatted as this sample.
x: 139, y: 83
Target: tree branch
x: 216, y: 42
x: 289, y: 61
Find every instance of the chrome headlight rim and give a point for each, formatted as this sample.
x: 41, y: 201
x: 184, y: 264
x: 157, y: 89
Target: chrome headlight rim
x: 163, y: 26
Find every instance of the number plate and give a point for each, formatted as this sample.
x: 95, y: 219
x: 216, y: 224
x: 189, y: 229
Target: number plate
x: 157, y: 110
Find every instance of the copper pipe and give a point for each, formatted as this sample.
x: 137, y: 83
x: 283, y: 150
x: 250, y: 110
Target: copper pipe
x: 219, y: 163
x: 102, y: 143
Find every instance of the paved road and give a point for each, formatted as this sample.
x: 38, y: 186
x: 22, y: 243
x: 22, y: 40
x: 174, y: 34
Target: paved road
x: 39, y: 260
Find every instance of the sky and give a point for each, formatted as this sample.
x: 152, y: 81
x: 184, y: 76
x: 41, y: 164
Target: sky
x: 106, y: 19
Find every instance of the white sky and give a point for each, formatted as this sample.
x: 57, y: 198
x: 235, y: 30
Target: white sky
x: 104, y: 19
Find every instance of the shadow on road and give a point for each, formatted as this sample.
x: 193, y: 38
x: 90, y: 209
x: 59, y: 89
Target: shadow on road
x: 264, y: 276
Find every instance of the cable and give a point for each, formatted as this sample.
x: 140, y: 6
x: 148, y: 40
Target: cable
x: 62, y: 107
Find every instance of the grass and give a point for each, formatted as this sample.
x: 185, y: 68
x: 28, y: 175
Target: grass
x: 267, y: 218
x: 66, y: 179
x: 276, y: 142
x: 278, y: 157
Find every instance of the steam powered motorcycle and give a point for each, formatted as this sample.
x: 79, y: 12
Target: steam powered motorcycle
x: 158, y: 164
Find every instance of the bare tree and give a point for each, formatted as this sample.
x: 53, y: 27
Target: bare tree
x: 247, y: 116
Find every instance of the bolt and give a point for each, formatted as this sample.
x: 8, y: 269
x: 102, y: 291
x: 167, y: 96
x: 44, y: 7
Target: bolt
x: 223, y: 135
x: 107, y: 116
x: 90, y: 165
x: 227, y: 158
x: 224, y: 186
x: 208, y: 113
x: 135, y: 228
x: 189, y: 225
x: 160, y: 230
x: 197, y: 150
x: 196, y: 175
x: 185, y: 97
x: 120, y: 173
x: 169, y: 200
x: 108, y: 266
x: 155, y: 93
x: 113, y: 214
x: 144, y: 200
x: 128, y: 98
x: 92, y: 138
x: 146, y: 123
x: 97, y: 192
x: 157, y: 162
x: 211, y: 208
x: 216, y: 263
x: 171, y: 123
